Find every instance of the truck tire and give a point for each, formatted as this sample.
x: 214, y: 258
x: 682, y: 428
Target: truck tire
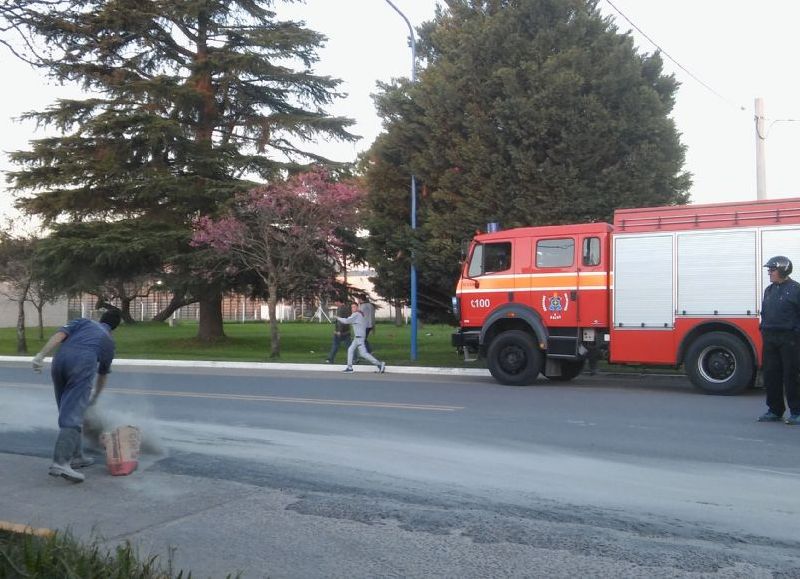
x: 720, y: 363
x: 569, y: 370
x: 514, y: 358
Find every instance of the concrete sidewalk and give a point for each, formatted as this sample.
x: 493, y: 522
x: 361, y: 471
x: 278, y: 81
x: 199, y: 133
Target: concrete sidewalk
x: 155, y: 510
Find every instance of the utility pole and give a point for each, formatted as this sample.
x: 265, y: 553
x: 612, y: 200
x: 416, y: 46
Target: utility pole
x: 761, y: 139
x: 413, y: 194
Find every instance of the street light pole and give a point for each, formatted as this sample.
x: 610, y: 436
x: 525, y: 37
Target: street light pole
x: 413, y: 194
x: 761, y: 137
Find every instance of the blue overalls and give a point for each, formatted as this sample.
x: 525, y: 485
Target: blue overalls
x: 87, y: 350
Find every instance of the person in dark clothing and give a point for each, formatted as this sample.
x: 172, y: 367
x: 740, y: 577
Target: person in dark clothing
x: 341, y: 332
x: 86, y: 350
x: 780, y: 332
x: 368, y: 309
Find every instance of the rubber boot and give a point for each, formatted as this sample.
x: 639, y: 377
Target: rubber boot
x: 66, y: 444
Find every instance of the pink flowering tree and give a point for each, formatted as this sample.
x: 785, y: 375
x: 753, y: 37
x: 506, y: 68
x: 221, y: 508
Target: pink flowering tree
x: 289, y: 233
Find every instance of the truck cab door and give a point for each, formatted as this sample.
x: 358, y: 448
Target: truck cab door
x: 554, y: 281
x: 593, y: 297
x: 488, y: 280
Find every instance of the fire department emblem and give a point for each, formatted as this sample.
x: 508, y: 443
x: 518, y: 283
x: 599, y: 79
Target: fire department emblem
x: 555, y: 304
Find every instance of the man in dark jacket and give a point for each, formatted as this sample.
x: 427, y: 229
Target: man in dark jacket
x: 780, y: 332
x: 341, y: 332
x: 86, y: 350
x: 368, y: 309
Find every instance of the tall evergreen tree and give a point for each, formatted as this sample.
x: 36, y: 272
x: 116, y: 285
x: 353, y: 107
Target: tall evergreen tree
x: 190, y: 103
x: 528, y: 112
x: 117, y: 261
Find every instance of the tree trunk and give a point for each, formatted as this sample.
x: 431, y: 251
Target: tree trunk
x: 176, y: 303
x: 344, y: 267
x: 22, y: 344
x: 274, y: 334
x: 398, y: 313
x: 210, y: 326
x: 125, y: 310
x: 40, y: 312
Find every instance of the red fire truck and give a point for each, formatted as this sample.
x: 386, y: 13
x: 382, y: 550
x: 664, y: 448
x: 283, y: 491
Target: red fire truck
x: 666, y: 286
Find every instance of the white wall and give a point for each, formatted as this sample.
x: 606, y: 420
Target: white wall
x: 383, y: 311
x: 54, y: 314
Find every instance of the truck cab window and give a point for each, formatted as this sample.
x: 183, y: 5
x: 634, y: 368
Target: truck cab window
x: 497, y: 257
x: 591, y: 251
x: 476, y: 262
x: 490, y: 258
x: 555, y: 252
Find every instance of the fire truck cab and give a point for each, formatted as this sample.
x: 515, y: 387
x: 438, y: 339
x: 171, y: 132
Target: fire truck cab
x: 666, y: 286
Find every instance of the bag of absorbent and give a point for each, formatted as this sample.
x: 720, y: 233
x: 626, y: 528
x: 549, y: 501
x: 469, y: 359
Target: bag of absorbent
x: 122, y: 449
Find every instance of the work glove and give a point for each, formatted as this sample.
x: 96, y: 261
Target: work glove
x: 38, y: 363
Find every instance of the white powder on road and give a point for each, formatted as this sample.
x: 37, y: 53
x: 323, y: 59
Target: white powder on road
x: 737, y: 497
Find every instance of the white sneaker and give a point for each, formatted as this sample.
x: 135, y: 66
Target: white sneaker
x: 81, y: 462
x: 65, y: 471
x: 382, y: 368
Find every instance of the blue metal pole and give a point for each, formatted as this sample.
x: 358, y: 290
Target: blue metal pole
x: 413, y: 195
x: 413, y: 272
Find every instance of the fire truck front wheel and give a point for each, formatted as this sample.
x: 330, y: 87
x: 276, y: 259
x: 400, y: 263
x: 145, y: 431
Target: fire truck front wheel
x: 514, y: 358
x: 720, y: 363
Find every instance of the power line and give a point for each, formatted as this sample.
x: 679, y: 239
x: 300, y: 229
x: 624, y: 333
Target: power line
x: 769, y: 128
x: 678, y: 64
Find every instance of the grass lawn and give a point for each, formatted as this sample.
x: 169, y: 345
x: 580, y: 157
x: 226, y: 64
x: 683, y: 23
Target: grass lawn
x: 301, y: 342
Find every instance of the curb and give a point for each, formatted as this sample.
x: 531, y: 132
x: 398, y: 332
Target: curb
x: 20, y: 529
x: 279, y: 366
x: 363, y: 368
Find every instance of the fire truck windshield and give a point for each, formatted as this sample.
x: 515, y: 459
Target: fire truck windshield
x: 490, y: 258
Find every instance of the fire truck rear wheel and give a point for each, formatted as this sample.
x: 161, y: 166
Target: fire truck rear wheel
x: 569, y: 370
x: 514, y: 358
x: 720, y: 363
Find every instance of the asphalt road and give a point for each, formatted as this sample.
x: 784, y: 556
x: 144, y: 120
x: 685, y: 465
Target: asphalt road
x: 319, y: 474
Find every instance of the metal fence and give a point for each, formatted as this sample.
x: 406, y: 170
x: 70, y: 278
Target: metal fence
x: 235, y: 308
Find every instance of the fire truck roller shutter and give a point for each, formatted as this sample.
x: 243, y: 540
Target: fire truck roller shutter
x: 720, y: 363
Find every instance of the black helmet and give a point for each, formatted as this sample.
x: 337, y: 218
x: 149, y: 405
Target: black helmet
x: 780, y: 262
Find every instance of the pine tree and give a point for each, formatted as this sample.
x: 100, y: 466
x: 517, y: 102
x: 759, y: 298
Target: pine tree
x: 528, y: 112
x: 188, y: 103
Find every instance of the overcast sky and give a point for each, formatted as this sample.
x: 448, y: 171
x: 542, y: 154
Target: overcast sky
x: 740, y: 50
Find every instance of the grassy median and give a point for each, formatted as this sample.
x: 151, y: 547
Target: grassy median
x: 301, y: 342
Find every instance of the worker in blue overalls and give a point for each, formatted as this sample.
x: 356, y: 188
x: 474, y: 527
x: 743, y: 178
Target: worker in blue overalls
x: 86, y: 350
